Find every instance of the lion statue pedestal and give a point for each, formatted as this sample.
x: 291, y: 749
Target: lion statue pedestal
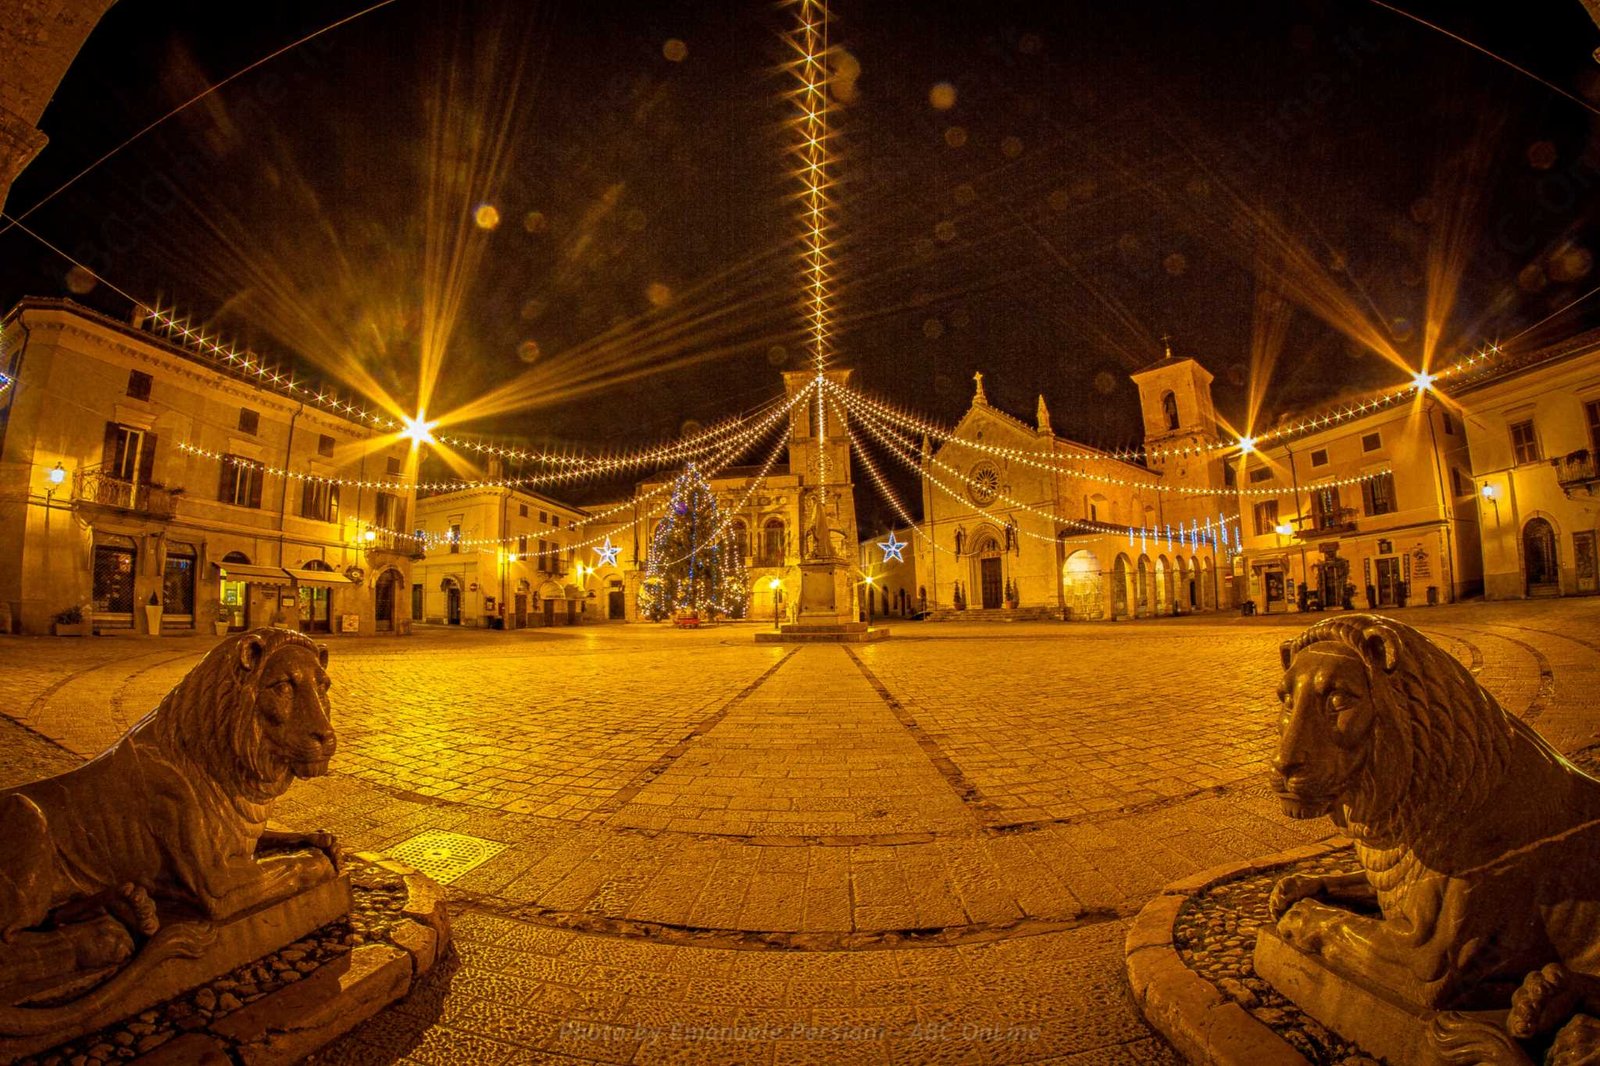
x: 1472, y: 932
x: 151, y: 869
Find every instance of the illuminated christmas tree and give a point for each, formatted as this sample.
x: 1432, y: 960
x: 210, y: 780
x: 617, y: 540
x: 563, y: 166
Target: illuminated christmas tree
x: 692, y: 565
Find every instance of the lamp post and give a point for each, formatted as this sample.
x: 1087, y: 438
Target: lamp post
x: 867, y: 580
x: 776, y: 586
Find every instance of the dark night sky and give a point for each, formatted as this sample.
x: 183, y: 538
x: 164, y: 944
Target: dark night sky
x: 1101, y: 179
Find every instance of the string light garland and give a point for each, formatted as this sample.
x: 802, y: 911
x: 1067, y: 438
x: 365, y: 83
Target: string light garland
x: 902, y: 448
x: 889, y: 494
x: 256, y: 369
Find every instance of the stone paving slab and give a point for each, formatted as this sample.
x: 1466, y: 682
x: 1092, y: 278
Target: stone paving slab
x: 953, y: 827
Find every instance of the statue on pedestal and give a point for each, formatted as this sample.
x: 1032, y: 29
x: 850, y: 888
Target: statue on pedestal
x: 1479, y: 844
x: 136, y: 858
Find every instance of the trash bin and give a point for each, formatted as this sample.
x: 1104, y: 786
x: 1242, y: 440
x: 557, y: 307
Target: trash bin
x: 1433, y: 595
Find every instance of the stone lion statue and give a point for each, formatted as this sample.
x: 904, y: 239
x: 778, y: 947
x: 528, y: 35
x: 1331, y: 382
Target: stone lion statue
x: 172, y: 815
x: 1479, y: 844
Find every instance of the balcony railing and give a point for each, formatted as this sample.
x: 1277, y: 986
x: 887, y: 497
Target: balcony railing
x: 1321, y: 523
x: 1577, y: 470
x: 97, y: 487
x: 394, y: 543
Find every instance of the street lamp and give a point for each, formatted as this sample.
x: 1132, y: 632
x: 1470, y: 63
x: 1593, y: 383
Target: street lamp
x: 776, y: 585
x: 867, y: 580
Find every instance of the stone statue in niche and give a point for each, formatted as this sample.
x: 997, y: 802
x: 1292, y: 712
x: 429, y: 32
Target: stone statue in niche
x: 136, y: 858
x: 1479, y: 844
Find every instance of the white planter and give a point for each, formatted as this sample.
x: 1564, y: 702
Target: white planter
x: 220, y: 628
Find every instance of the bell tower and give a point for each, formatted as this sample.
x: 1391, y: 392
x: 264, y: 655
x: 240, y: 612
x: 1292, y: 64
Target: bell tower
x: 1181, y: 431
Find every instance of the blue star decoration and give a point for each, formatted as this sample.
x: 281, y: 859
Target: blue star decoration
x: 892, y: 548
x: 608, y: 553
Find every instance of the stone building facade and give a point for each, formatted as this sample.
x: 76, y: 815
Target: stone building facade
x: 502, y: 557
x: 1378, y: 509
x: 1019, y: 522
x: 1535, y: 436
x: 102, y: 508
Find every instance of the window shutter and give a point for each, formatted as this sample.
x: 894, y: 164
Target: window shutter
x: 308, y: 499
x: 108, y: 452
x: 333, y: 503
x: 147, y: 459
x: 1367, y: 502
x: 256, y: 478
x: 399, y: 512
x: 226, y: 472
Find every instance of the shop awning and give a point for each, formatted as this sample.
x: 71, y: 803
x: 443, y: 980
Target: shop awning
x: 324, y: 578
x: 256, y: 575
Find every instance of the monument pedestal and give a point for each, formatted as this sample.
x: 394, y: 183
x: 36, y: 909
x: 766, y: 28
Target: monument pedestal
x: 1376, y: 1021
x: 219, y: 948
x: 827, y: 610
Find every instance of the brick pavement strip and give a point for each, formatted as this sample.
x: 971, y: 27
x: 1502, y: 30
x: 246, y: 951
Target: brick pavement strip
x: 922, y: 851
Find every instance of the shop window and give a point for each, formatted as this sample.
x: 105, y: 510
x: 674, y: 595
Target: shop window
x: 177, y: 580
x: 113, y: 570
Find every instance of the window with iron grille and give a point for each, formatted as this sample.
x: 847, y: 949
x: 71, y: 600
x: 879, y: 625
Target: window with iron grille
x: 522, y: 546
x: 113, y: 575
x: 240, y: 482
x: 455, y: 539
x: 139, y: 385
x: 320, y: 501
x: 325, y: 445
x: 1266, y: 515
x: 177, y: 580
x: 1460, y: 482
x: 1524, y: 445
x: 1377, y: 494
x: 1592, y: 410
x: 249, y: 421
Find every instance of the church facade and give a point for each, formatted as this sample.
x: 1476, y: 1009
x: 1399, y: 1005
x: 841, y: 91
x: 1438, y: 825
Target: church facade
x: 1021, y: 522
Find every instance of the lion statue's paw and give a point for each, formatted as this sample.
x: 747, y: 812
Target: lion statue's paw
x: 133, y: 907
x: 1578, y: 1043
x: 1546, y: 999
x: 1291, y: 889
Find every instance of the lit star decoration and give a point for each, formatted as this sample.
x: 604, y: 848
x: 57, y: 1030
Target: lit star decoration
x: 607, y: 553
x: 892, y: 548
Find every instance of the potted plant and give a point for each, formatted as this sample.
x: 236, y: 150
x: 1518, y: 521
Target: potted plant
x: 71, y: 623
x: 152, y: 615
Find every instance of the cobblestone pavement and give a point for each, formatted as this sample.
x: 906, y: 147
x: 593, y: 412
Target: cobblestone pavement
x: 715, y: 851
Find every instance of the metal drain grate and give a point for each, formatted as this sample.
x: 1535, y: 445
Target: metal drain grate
x: 445, y: 856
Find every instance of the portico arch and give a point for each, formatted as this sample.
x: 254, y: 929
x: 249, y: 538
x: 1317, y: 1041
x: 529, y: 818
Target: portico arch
x: 1081, y: 586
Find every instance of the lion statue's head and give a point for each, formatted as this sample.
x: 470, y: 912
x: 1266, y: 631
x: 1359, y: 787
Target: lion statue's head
x: 253, y: 715
x: 1382, y: 730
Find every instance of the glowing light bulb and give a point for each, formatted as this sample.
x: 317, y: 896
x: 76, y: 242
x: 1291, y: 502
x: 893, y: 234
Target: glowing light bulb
x: 417, y: 431
x: 1422, y: 380
x: 57, y: 474
x: 1283, y: 529
x: 1247, y: 445
x: 370, y: 535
